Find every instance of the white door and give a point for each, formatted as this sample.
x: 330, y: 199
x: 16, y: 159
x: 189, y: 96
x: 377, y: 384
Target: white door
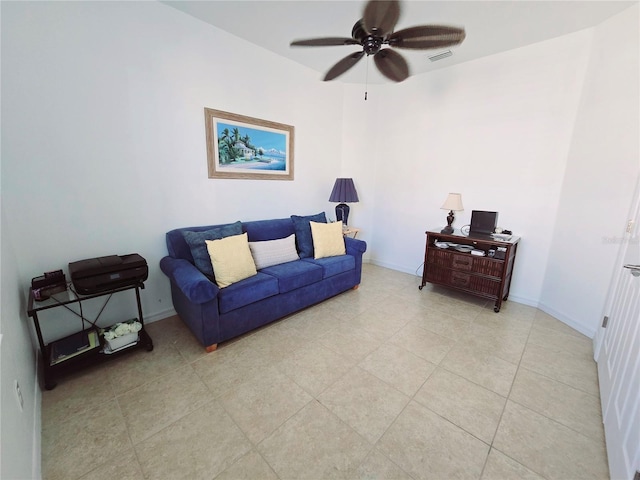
x: 618, y: 356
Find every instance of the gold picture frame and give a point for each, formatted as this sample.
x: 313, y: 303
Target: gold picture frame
x: 245, y: 147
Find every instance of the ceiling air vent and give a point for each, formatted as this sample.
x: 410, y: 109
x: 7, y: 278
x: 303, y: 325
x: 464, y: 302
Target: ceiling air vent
x: 440, y: 56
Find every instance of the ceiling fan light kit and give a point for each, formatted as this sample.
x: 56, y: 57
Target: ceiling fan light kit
x: 374, y: 33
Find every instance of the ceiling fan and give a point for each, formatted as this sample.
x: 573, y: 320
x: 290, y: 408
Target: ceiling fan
x: 374, y: 32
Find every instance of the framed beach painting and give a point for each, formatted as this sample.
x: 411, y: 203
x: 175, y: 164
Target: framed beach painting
x: 245, y: 147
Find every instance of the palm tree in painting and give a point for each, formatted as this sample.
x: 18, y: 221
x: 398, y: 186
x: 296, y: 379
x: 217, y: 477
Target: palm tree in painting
x: 225, y: 147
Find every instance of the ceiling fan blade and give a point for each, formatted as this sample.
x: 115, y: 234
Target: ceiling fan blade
x: 380, y: 16
x: 343, y: 65
x: 391, y: 65
x: 324, y: 42
x: 427, y: 36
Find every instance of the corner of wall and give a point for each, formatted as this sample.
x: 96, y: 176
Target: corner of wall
x: 593, y: 190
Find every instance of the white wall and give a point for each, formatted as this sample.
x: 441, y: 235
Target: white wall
x: 360, y: 153
x: 603, y: 163
x: 19, y: 424
x: 497, y: 130
x: 19, y: 427
x: 547, y: 135
x: 103, y: 151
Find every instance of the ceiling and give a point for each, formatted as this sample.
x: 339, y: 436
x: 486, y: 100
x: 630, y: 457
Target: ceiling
x: 491, y: 27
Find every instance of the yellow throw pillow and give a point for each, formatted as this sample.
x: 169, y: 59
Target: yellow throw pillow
x: 231, y: 259
x: 328, y: 240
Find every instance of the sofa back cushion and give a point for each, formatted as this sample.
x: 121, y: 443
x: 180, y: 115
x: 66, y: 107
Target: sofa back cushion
x: 258, y: 231
x: 261, y: 230
x: 178, y: 247
x: 304, y: 240
x: 198, y: 249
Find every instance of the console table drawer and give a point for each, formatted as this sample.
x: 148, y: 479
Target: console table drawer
x: 439, y: 257
x: 462, y: 262
x: 486, y: 286
x: 488, y: 266
x: 438, y: 274
x: 461, y: 280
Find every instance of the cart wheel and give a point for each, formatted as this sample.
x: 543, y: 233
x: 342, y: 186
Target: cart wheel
x: 496, y: 309
x: 50, y: 385
x: 150, y: 347
x: 420, y: 287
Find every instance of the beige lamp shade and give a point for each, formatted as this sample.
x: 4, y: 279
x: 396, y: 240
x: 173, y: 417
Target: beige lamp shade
x: 453, y: 202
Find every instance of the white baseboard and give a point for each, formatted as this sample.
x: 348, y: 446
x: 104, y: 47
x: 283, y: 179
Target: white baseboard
x: 589, y: 332
x: 154, y: 317
x: 523, y: 300
x: 397, y: 268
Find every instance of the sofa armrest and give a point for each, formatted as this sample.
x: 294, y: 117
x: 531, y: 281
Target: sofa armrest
x: 191, y: 281
x: 354, y: 246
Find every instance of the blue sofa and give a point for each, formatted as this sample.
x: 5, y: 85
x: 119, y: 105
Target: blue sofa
x: 217, y: 314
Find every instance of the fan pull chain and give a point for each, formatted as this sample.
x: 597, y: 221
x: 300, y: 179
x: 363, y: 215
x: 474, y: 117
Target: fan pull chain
x: 366, y: 78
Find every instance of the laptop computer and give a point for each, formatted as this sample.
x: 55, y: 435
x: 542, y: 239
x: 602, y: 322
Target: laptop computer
x: 483, y: 223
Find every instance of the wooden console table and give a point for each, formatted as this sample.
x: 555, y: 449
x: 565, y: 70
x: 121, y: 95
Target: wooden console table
x: 448, y: 261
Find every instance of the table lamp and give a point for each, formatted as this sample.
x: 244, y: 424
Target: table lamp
x: 343, y: 191
x: 453, y: 203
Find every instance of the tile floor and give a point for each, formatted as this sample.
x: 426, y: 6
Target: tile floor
x: 385, y: 382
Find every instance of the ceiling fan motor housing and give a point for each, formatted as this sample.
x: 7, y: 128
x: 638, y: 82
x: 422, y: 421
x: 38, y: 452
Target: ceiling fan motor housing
x: 370, y: 43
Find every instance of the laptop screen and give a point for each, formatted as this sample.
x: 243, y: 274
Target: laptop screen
x: 482, y: 222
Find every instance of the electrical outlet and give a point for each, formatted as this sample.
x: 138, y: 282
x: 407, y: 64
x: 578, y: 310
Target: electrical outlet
x: 19, y: 398
x: 630, y: 226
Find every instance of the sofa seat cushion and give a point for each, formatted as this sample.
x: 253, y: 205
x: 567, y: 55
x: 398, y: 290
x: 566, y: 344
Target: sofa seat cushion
x: 296, y: 274
x: 333, y: 265
x: 247, y: 291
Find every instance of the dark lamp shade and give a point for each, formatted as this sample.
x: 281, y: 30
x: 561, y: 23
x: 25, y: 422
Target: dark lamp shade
x: 344, y: 191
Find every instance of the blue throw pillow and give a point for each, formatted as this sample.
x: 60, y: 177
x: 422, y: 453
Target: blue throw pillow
x: 199, y: 251
x: 304, y: 240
